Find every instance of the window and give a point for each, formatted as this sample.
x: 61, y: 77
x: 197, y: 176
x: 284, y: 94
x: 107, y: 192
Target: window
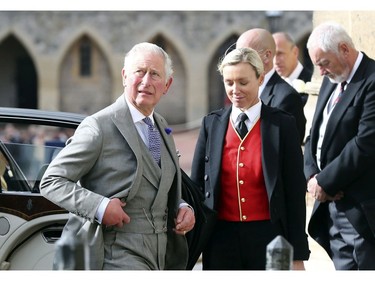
x: 85, y: 56
x: 26, y: 151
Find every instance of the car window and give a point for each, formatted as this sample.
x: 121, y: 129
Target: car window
x: 4, y: 171
x: 26, y: 151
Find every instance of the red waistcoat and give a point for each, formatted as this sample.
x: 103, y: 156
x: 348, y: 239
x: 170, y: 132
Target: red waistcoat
x: 243, y: 195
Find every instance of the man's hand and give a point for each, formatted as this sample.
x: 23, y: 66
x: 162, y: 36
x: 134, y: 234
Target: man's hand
x: 185, y: 220
x: 298, y: 265
x: 318, y: 193
x: 114, y: 215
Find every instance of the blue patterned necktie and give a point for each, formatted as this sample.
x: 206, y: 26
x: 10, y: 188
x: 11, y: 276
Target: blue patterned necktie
x: 154, y: 140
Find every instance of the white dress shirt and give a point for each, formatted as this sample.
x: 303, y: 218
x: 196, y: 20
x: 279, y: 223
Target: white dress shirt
x: 294, y: 75
x: 253, y: 114
x: 267, y: 77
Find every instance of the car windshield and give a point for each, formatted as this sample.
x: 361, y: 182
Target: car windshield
x: 26, y: 151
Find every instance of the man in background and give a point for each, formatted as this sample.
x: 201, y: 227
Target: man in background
x: 286, y: 61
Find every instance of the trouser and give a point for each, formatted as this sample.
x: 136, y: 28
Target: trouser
x: 350, y: 250
x: 239, y: 245
x: 134, y: 251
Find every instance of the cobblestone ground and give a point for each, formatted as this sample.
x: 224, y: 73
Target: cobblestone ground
x: 185, y: 143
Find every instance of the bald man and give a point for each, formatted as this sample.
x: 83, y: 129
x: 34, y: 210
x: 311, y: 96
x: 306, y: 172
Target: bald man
x: 274, y: 91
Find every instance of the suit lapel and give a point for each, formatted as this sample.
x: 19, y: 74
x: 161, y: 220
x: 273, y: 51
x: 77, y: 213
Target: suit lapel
x: 326, y: 90
x: 175, y: 192
x: 267, y: 93
x: 218, y: 130
x: 346, y: 99
x: 270, y: 151
x: 123, y: 120
x: 350, y: 92
x: 151, y: 170
x: 337, y: 113
x: 167, y: 138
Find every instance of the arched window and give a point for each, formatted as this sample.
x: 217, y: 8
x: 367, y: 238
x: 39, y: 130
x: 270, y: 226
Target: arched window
x: 85, y: 56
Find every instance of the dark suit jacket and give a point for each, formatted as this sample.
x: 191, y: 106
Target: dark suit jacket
x: 278, y: 93
x: 305, y: 75
x: 282, y: 167
x: 347, y: 153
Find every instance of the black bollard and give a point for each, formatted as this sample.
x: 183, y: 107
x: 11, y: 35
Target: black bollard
x: 279, y: 255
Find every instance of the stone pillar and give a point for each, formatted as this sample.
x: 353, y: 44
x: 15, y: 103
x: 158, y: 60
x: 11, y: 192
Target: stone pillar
x: 48, y: 84
x: 279, y: 254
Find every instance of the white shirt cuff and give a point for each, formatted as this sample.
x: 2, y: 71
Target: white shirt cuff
x: 100, y: 211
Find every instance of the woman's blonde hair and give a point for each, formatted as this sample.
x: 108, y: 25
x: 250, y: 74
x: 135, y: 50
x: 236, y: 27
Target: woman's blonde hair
x: 247, y: 55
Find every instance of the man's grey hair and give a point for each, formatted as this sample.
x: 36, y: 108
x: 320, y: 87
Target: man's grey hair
x: 328, y: 37
x: 146, y: 47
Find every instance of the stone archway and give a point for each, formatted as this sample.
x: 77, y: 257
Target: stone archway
x: 18, y: 83
x: 216, y: 92
x: 85, y: 82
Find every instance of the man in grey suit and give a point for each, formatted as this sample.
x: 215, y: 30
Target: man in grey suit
x: 274, y: 91
x: 124, y: 202
x: 340, y: 150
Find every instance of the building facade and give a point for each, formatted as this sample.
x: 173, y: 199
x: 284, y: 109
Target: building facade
x: 72, y: 60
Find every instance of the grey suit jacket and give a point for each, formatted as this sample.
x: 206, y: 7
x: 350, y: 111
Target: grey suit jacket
x: 104, y: 159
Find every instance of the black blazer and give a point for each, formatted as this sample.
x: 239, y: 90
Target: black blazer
x: 347, y: 153
x: 305, y: 75
x: 278, y: 93
x: 282, y: 162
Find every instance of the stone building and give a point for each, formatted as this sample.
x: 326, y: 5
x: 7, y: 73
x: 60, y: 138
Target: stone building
x: 72, y: 60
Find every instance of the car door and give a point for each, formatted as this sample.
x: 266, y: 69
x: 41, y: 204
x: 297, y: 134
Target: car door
x: 30, y: 225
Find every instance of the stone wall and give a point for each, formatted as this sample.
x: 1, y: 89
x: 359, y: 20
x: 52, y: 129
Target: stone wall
x: 193, y: 38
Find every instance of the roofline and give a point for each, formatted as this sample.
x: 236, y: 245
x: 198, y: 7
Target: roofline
x: 38, y: 116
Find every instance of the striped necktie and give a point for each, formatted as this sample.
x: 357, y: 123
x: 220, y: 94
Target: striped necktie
x: 332, y: 102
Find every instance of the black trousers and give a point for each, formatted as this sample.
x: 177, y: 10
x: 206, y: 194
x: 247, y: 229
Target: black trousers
x: 239, y: 245
x: 350, y: 250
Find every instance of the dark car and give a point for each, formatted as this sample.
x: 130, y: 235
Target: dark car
x: 30, y: 225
